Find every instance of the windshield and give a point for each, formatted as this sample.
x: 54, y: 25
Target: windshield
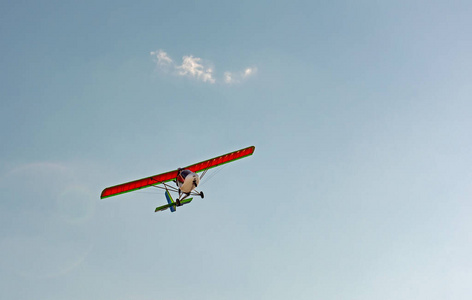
x: 184, y: 173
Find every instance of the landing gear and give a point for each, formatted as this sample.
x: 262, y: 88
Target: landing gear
x: 180, y: 199
x: 201, y: 195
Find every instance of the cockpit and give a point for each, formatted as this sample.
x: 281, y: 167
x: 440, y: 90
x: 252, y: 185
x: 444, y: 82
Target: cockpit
x: 184, y: 173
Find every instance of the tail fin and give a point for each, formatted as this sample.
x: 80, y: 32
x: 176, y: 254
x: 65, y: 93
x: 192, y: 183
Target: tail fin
x: 170, y: 201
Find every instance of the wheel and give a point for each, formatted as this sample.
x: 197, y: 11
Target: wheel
x: 201, y: 195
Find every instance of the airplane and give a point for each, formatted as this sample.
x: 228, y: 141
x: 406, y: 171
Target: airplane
x: 186, y: 180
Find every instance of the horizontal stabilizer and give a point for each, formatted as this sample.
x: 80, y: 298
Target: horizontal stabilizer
x: 173, y: 206
x: 164, y: 207
x: 186, y: 201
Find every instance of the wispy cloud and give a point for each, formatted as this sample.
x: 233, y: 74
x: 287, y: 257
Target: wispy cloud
x: 192, y: 67
x: 161, y: 58
x: 196, y: 67
x: 249, y: 71
x: 230, y: 77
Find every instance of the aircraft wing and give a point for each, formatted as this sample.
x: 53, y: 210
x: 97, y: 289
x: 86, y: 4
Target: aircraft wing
x: 138, y: 184
x: 220, y: 160
x: 165, y: 177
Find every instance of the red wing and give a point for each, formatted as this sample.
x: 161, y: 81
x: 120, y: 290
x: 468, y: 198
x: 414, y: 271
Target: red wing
x: 223, y: 159
x: 138, y: 184
x: 164, y: 177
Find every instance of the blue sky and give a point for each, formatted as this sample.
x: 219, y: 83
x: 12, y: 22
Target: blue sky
x: 359, y: 187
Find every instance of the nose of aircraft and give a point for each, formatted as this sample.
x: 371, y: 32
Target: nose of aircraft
x: 196, y: 180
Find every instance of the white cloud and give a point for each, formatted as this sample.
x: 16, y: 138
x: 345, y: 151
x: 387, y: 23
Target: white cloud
x: 238, y: 77
x: 199, y: 69
x: 191, y: 67
x: 249, y: 71
x: 162, y: 58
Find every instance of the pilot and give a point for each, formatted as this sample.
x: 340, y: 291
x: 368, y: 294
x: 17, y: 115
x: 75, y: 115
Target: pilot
x: 181, y: 174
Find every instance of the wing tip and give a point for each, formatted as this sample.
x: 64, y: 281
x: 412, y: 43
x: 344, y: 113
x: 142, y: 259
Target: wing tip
x: 249, y: 150
x: 104, y: 194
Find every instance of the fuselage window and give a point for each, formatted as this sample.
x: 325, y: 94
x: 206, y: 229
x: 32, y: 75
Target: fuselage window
x: 184, y: 173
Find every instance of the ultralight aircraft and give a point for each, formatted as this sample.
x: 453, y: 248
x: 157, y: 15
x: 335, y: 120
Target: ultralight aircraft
x: 185, y: 179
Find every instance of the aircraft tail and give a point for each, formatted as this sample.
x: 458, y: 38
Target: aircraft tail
x: 171, y: 204
x: 170, y: 201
